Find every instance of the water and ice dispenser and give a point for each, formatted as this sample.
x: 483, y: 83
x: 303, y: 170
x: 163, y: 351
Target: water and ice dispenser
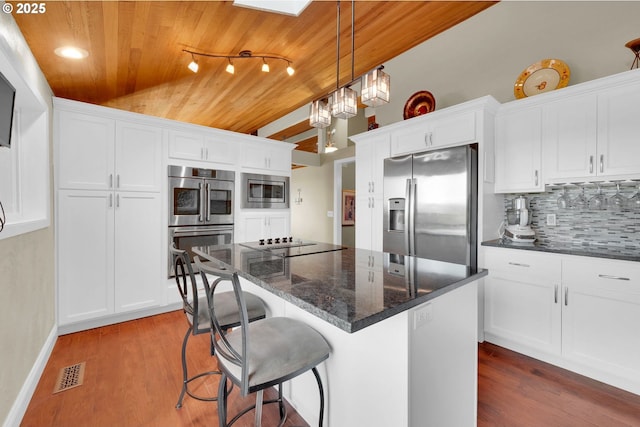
x: 396, y: 215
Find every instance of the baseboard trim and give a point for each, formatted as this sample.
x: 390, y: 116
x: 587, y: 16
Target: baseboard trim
x: 29, y: 386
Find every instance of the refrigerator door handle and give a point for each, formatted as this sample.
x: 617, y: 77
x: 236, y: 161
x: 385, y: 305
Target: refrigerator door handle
x: 410, y: 217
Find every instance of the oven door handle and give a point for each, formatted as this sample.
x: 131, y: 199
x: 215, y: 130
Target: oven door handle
x: 202, y: 204
x: 207, y: 199
x: 202, y: 232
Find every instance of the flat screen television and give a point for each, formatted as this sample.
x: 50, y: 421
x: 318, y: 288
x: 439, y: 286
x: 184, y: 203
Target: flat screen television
x: 7, y: 103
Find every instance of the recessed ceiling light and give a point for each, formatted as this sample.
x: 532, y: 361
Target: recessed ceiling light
x: 71, y: 52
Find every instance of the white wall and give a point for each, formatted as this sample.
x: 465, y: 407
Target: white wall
x: 27, y: 305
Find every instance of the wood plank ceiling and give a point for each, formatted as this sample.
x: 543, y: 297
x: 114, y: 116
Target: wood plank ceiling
x: 136, y: 62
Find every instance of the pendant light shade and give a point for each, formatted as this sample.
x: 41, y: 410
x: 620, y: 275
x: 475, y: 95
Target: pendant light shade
x: 320, y: 116
x: 375, y: 88
x: 344, y: 103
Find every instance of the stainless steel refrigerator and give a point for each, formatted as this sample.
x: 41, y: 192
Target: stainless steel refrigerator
x: 431, y: 205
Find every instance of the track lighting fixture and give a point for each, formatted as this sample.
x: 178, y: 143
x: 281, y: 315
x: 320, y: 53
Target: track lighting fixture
x: 244, y: 54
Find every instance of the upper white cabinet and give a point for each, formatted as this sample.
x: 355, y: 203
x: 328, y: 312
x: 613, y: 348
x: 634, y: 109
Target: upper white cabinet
x: 518, y: 150
x: 435, y: 131
x: 96, y: 153
x: 202, y: 147
x: 569, y: 135
x: 587, y: 132
x: 267, y: 156
x: 618, y: 131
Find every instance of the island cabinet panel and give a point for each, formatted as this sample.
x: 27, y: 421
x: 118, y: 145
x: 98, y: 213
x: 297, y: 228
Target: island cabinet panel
x: 601, y: 317
x: 370, y: 155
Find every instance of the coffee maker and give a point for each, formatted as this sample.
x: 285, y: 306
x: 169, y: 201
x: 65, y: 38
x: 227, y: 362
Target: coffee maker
x: 518, y: 220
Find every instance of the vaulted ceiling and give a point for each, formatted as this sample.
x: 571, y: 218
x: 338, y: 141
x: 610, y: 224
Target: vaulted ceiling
x: 136, y: 60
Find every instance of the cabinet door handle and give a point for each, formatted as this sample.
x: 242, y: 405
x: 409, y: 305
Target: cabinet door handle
x: 606, y: 276
x: 117, y: 200
x: 590, y: 164
x: 601, y: 163
x: 110, y: 180
x: 566, y: 296
x: 426, y: 139
x: 555, y: 294
x: 206, y: 154
x: 373, y: 203
x: 517, y: 264
x: 201, y: 153
x: 118, y: 181
x: 536, y: 177
x: 373, y: 186
x: 110, y: 200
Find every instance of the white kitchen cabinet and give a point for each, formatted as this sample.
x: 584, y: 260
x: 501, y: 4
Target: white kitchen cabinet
x: 569, y: 138
x: 266, y: 156
x: 618, y: 129
x: 109, y: 253
x: 138, y: 252
x: 522, y: 299
x: 435, y: 131
x: 371, y: 150
x: 369, y: 280
x: 202, y: 147
x: 85, y: 255
x: 256, y: 225
x: 601, y: 316
x: 518, y: 150
x: 97, y: 153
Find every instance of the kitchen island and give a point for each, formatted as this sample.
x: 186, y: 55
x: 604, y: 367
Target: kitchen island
x: 402, y: 330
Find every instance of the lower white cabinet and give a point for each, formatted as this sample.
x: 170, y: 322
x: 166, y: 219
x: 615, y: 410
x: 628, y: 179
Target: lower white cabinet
x: 522, y: 299
x: 579, y: 313
x: 256, y: 226
x: 109, y: 253
x: 601, y: 316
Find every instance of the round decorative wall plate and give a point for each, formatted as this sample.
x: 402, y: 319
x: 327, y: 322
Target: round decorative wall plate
x: 543, y: 76
x: 418, y: 104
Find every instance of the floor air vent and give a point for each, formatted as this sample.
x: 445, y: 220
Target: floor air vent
x: 70, y: 377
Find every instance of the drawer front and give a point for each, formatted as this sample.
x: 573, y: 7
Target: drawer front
x: 523, y: 264
x: 615, y: 279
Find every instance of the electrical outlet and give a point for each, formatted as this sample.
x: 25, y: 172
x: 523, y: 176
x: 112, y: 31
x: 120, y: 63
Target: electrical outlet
x: 422, y: 316
x: 551, y: 219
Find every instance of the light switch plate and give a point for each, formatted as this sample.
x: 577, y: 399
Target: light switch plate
x: 551, y: 219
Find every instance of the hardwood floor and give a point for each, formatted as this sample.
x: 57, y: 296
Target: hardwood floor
x: 515, y: 390
x: 133, y: 378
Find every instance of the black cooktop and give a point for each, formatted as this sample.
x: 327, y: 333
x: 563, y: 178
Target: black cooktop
x: 292, y: 247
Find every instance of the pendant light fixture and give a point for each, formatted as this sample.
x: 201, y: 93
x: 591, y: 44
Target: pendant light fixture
x: 375, y: 87
x: 344, y: 101
x: 320, y: 116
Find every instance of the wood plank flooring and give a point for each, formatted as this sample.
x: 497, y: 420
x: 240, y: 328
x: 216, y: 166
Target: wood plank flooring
x: 133, y: 378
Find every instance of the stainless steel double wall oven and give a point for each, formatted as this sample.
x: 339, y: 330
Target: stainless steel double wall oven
x: 200, y: 207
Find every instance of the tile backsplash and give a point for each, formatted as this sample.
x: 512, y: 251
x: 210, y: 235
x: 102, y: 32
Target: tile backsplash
x: 584, y: 227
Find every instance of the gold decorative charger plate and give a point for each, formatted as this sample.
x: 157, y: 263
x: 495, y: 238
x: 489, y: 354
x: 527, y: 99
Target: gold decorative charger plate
x: 418, y: 104
x: 543, y: 76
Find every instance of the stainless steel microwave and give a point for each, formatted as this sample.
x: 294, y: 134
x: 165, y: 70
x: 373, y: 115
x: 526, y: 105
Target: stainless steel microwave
x: 265, y: 191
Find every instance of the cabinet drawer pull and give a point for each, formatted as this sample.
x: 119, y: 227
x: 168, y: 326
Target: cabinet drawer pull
x: 517, y: 264
x: 606, y: 276
x: 601, y: 163
x: 590, y: 164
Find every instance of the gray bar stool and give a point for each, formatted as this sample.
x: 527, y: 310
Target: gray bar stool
x: 197, y: 312
x: 259, y: 354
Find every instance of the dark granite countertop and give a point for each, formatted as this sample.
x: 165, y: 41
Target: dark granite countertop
x: 341, y: 287
x: 599, y: 251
